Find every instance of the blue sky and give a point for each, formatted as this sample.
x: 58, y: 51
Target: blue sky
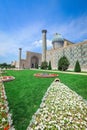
x: 21, y: 22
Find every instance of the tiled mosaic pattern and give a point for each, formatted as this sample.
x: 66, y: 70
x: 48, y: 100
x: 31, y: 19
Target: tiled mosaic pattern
x: 72, y: 52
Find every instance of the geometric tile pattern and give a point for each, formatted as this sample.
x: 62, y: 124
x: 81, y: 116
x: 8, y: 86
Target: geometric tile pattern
x: 72, y: 52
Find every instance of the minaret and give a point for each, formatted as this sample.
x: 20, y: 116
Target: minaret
x: 44, y: 45
x: 20, y: 50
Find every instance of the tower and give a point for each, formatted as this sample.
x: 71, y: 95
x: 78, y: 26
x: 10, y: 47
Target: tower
x: 44, y: 45
x: 20, y: 51
x: 57, y: 41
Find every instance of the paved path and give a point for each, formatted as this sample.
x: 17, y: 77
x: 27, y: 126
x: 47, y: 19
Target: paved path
x: 61, y: 109
x: 82, y: 73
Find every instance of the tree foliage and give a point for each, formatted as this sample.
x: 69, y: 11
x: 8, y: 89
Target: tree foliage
x: 77, y: 67
x: 5, y: 65
x: 63, y: 63
x: 36, y: 66
x: 44, y: 65
x: 49, y: 66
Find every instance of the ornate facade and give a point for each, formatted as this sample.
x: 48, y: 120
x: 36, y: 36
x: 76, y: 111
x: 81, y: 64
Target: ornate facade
x: 32, y: 59
x: 73, y: 53
x: 61, y: 47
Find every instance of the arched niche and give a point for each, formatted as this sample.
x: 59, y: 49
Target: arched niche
x: 34, y: 61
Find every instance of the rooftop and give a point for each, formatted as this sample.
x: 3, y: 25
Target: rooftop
x: 57, y: 38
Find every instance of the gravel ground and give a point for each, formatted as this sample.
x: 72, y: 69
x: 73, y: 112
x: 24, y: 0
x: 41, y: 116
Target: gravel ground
x: 61, y: 109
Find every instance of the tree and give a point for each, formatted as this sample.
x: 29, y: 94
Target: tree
x: 49, y: 66
x: 63, y: 63
x: 44, y: 65
x: 77, y: 67
x: 36, y: 65
x: 5, y: 65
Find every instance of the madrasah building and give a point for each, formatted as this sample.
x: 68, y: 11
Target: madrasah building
x: 61, y: 47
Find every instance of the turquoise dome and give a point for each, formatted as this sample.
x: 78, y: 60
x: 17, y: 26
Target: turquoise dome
x: 57, y: 38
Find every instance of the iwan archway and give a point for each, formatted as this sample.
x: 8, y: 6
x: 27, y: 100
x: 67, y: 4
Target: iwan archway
x: 34, y: 62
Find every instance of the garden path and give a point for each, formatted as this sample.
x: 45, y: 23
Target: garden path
x: 78, y: 73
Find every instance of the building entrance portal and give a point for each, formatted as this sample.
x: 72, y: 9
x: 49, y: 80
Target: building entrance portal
x: 34, y: 62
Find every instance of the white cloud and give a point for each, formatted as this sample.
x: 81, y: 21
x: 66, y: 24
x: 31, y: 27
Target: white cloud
x: 29, y: 37
x: 38, y: 43
x: 7, y: 44
x: 74, y: 30
x: 23, y: 37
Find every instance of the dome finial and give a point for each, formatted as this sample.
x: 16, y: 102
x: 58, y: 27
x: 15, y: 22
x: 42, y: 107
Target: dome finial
x: 57, y: 41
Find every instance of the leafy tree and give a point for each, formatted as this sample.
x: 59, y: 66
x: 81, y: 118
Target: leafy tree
x: 36, y: 65
x: 49, y: 66
x: 63, y: 63
x: 5, y: 65
x: 77, y: 67
x: 44, y: 65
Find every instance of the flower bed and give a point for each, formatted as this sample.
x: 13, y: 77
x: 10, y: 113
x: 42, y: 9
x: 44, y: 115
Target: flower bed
x: 45, y: 75
x: 5, y: 116
x: 61, y: 109
x: 7, y: 78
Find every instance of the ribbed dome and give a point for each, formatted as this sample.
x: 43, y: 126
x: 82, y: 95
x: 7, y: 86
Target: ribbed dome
x: 57, y: 38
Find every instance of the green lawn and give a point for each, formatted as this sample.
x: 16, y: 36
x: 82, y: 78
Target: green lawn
x: 25, y: 93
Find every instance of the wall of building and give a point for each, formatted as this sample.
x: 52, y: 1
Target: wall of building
x: 29, y: 56
x: 67, y: 42
x: 23, y: 63
x: 73, y: 52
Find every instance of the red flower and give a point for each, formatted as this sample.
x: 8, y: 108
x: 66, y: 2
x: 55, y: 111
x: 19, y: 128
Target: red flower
x: 7, y: 127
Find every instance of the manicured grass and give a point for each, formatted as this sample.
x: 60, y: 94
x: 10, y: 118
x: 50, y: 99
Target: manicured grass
x: 24, y: 96
x: 77, y: 83
x: 26, y: 91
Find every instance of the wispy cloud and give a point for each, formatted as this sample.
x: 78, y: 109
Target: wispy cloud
x: 39, y: 43
x: 7, y: 44
x: 74, y: 30
x: 29, y: 36
x: 22, y: 37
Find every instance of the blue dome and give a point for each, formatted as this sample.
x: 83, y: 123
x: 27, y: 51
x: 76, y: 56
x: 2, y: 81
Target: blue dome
x: 57, y: 38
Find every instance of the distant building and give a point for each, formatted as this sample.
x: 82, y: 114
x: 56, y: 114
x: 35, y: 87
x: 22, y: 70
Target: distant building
x: 61, y: 47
